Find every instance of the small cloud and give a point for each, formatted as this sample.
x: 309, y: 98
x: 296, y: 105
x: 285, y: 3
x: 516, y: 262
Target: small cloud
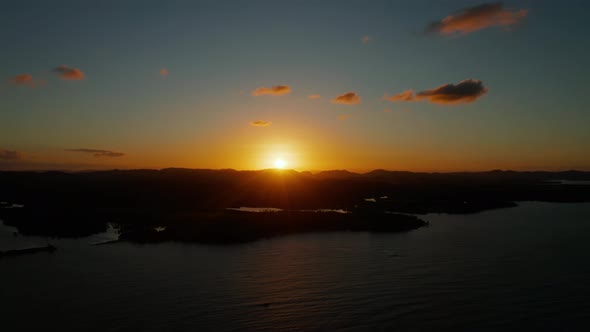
x: 23, y: 80
x: 277, y: 90
x: 387, y: 110
x: 260, y: 123
x: 477, y: 18
x: 98, y: 153
x: 314, y: 96
x: 164, y: 72
x: 366, y: 39
x: 466, y: 91
x: 344, y: 117
x: 407, y: 95
x: 10, y: 155
x: 67, y: 73
x: 349, y: 98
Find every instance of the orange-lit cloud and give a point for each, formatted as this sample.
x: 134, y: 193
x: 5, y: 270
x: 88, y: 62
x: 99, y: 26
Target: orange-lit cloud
x: 99, y: 153
x: 23, y: 79
x: 466, y: 91
x: 366, y: 39
x: 260, y: 123
x: 477, y: 18
x: 387, y: 110
x: 314, y: 96
x: 407, y: 95
x: 344, y: 117
x: 164, y: 72
x: 10, y: 155
x: 349, y: 98
x: 277, y: 90
x: 67, y: 73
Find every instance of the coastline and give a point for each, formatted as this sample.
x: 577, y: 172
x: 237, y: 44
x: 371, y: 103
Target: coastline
x: 194, y: 205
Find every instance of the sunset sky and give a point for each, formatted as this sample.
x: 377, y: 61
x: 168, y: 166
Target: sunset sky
x: 358, y: 85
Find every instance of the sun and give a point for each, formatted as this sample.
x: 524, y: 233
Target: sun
x: 280, y: 163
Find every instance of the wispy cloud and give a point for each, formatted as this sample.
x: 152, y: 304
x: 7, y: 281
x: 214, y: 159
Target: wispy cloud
x: 366, y: 39
x: 349, y: 98
x: 164, y: 72
x: 260, y: 123
x: 407, y: 95
x: 23, y: 80
x: 277, y: 90
x: 314, y: 96
x: 99, y: 153
x: 466, y: 91
x: 68, y: 73
x: 477, y: 18
x: 10, y: 155
x: 344, y: 117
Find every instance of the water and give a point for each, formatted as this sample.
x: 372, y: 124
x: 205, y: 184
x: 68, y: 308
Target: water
x: 272, y: 209
x: 523, y: 268
x: 569, y: 182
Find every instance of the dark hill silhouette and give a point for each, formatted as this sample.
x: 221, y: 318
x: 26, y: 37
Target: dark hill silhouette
x: 73, y: 204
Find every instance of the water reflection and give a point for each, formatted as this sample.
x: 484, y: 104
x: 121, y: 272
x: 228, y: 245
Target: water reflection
x: 515, y: 269
x: 271, y: 209
x: 256, y: 209
x: 10, y: 239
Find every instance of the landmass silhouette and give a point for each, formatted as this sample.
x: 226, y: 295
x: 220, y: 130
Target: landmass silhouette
x: 192, y: 204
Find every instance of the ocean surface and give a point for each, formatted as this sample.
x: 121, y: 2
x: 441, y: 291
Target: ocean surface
x: 518, y: 269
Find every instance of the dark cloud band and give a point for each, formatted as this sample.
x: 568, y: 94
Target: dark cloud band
x: 99, y: 153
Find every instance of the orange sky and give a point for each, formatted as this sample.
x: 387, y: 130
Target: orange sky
x: 424, y: 87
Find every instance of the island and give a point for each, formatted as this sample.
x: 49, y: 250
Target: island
x: 203, y: 206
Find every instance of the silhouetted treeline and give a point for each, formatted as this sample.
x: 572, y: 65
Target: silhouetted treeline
x: 238, y: 226
x: 71, y: 204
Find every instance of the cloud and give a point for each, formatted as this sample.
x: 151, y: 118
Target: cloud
x: 10, y: 155
x: 24, y: 80
x: 476, y: 18
x: 387, y: 110
x: 407, y: 95
x: 99, y: 153
x: 314, y: 96
x: 349, y: 98
x: 344, y: 117
x: 67, y: 73
x: 366, y: 39
x: 277, y: 90
x: 466, y: 91
x: 260, y: 123
x: 164, y: 72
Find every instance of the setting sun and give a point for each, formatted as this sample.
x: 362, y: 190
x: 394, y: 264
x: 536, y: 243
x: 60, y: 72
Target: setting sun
x: 311, y: 165
x: 280, y: 163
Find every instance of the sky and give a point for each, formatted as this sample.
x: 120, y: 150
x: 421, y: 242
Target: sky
x: 357, y: 85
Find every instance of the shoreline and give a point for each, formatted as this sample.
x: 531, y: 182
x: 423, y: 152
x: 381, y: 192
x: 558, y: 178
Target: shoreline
x: 192, y: 205
x: 223, y: 227
x: 18, y: 252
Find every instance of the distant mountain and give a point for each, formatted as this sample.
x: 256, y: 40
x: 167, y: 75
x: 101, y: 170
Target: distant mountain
x: 336, y: 174
x: 80, y: 203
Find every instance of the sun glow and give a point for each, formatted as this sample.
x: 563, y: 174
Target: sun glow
x: 280, y: 163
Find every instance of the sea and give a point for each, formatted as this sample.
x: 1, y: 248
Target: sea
x: 525, y: 268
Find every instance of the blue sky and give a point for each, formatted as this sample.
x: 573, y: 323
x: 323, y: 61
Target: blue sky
x: 533, y: 116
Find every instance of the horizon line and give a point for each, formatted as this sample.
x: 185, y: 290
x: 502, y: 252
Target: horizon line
x: 295, y: 170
